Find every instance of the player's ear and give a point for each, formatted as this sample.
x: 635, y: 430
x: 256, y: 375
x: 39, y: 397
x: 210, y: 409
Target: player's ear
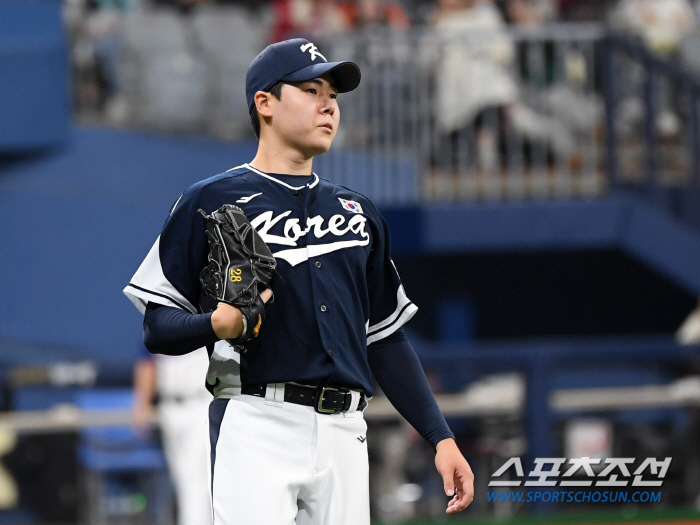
x: 262, y: 103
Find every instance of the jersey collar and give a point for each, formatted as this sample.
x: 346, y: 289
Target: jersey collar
x: 310, y: 184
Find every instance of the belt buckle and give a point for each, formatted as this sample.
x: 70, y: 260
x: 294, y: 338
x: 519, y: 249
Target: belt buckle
x: 318, y: 405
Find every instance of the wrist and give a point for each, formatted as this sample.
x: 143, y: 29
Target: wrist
x: 227, y: 321
x: 446, y: 444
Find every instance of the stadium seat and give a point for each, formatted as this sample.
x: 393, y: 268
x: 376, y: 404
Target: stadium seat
x: 124, y: 474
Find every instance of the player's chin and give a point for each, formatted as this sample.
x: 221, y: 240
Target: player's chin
x: 319, y: 146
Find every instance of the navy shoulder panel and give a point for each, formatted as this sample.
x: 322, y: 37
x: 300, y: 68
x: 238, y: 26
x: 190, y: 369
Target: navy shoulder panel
x: 227, y: 176
x: 346, y: 192
x: 199, y: 191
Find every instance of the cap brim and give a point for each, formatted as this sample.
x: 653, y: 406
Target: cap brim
x: 346, y: 75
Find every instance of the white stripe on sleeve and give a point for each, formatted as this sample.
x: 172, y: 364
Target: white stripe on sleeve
x: 405, y: 309
x: 150, y: 284
x: 401, y: 301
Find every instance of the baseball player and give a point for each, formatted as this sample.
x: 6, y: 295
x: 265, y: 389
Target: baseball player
x: 288, y: 438
x: 183, y: 408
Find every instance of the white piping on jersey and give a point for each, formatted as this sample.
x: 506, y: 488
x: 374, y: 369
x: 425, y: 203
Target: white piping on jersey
x: 236, y: 167
x: 249, y: 198
x: 401, y: 301
x: 176, y: 203
x: 310, y: 184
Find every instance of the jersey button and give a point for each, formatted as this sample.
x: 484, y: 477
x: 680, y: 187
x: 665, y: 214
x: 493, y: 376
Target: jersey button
x: 323, y: 308
x: 295, y: 192
x: 330, y: 351
x: 318, y: 264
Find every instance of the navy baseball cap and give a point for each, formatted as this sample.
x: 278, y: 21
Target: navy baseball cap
x: 296, y: 60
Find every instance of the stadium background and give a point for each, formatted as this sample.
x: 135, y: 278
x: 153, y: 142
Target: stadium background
x: 537, y: 161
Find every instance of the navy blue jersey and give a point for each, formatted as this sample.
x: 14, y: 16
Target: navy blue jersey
x: 340, y: 293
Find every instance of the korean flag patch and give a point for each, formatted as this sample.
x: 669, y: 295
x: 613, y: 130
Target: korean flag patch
x: 351, y: 205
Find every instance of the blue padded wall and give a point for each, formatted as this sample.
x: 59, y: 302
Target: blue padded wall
x: 34, y: 76
x: 76, y: 223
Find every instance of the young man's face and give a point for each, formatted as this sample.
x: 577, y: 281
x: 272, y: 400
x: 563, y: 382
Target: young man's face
x: 306, y: 116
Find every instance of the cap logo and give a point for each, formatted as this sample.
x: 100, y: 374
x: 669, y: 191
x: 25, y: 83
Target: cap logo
x: 311, y: 48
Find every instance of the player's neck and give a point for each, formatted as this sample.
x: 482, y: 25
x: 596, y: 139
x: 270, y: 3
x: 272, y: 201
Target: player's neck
x: 270, y: 159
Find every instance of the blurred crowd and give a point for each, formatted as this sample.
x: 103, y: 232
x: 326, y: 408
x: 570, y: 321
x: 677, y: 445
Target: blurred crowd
x: 660, y: 22
x: 477, y: 88
x: 99, y: 27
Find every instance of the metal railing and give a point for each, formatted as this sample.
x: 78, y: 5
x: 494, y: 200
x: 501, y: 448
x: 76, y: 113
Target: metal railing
x: 653, y: 131
x: 480, y: 115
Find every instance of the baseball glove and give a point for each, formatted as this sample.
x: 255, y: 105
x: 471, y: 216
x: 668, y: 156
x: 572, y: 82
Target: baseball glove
x: 240, y: 267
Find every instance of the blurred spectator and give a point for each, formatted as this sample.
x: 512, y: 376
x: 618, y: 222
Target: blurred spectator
x: 104, y: 30
x: 531, y: 13
x: 473, y: 82
x: 96, y: 31
x: 474, y: 73
x: 373, y: 13
x: 183, y: 410
x: 662, y: 26
x: 310, y: 19
x: 660, y: 23
x: 491, y: 117
x: 526, y: 15
x: 522, y: 13
x: 550, y: 113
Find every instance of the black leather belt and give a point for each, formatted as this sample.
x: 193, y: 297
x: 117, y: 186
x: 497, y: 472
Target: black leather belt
x: 324, y: 399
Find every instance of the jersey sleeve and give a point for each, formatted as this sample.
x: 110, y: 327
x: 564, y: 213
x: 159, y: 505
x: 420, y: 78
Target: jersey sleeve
x: 389, y: 309
x: 169, y: 275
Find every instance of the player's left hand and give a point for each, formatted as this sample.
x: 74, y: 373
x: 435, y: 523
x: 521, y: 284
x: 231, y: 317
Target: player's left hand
x: 457, y: 475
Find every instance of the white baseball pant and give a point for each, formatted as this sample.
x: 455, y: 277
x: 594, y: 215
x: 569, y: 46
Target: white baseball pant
x: 277, y: 463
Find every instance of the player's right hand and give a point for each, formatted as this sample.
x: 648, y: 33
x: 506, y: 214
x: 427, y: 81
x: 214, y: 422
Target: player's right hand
x: 227, y: 320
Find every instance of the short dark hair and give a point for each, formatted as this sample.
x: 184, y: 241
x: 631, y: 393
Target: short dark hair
x: 275, y: 91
